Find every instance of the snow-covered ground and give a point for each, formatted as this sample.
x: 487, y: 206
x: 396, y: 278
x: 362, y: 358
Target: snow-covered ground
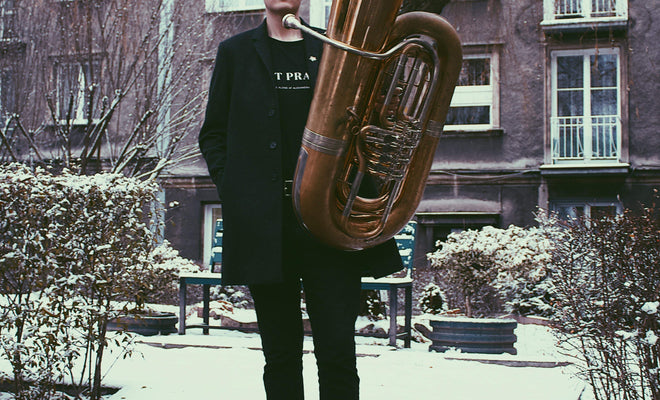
x: 228, y: 365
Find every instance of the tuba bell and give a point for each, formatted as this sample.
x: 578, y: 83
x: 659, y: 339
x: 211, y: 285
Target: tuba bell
x: 381, y: 99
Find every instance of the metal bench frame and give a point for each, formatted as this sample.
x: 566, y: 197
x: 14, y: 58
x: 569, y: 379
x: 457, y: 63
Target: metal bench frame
x: 405, y: 241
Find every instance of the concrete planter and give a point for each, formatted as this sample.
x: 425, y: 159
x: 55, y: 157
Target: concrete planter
x: 474, y: 335
x: 150, y: 324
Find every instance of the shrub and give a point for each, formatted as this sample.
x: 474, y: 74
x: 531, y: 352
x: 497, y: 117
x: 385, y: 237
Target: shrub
x: 156, y: 279
x: 490, y: 270
x: 606, y: 274
x: 432, y: 300
x: 371, y: 306
x: 70, y: 247
x: 237, y: 296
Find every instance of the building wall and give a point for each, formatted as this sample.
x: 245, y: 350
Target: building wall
x: 502, y: 175
x: 503, y: 171
x: 184, y: 222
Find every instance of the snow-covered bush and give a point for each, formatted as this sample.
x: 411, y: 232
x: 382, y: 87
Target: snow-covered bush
x: 432, y: 300
x: 156, y: 279
x: 371, y: 306
x: 606, y: 276
x: 485, y: 271
x: 70, y: 247
x: 237, y: 296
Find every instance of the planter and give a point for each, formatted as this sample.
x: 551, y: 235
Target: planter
x: 474, y: 335
x: 150, y: 324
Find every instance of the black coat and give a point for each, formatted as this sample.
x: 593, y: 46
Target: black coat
x: 241, y: 142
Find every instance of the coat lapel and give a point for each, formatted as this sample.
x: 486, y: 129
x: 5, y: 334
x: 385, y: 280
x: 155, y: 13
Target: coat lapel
x: 260, y: 40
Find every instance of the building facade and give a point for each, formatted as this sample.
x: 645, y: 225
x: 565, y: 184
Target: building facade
x: 555, y: 109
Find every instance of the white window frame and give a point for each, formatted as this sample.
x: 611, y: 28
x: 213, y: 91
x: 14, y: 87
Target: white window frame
x: 80, y: 105
x: 211, y: 213
x: 483, y: 95
x: 586, y: 206
x: 216, y: 6
x: 587, y: 123
x: 319, y: 12
x: 581, y: 11
x: 7, y: 21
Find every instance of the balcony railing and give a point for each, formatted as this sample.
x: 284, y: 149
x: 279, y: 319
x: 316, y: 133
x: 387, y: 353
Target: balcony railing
x: 560, y: 12
x: 585, y: 139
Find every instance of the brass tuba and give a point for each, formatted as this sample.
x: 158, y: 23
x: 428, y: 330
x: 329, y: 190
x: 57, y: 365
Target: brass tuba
x: 381, y: 99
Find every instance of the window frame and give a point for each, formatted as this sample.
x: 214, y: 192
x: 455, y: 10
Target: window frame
x: 79, y: 116
x: 488, y: 95
x: 587, y: 114
x: 212, y: 211
x: 585, y: 205
x: 220, y: 6
x: 584, y: 15
x: 7, y: 21
x: 319, y: 13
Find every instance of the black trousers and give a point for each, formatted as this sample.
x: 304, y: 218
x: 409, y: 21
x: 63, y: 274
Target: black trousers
x: 332, y: 297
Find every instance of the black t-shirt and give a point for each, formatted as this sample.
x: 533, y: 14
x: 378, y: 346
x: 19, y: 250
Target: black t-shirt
x: 294, y: 91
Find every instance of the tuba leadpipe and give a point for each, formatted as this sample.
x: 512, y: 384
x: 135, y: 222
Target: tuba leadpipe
x: 381, y: 98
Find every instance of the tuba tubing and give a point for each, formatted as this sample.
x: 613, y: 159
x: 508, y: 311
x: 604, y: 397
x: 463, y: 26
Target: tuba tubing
x: 336, y: 197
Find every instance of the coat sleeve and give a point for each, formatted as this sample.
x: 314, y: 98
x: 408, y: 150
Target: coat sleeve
x: 213, y: 134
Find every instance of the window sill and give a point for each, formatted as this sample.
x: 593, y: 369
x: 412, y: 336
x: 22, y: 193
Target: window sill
x: 228, y: 10
x: 78, y: 122
x: 492, y: 132
x: 593, y: 168
x: 574, y: 25
x: 73, y: 124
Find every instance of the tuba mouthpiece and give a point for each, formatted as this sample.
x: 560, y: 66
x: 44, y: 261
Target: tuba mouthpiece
x: 290, y: 21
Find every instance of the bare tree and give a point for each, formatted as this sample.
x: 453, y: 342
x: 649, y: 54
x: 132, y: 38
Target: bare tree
x: 101, y: 84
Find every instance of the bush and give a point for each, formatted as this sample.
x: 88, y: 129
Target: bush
x: 432, y: 300
x: 606, y: 274
x: 491, y: 270
x: 156, y: 279
x: 70, y: 247
x: 371, y: 305
x: 237, y: 296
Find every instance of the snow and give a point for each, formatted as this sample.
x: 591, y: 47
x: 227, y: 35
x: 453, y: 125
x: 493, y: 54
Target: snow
x: 651, y: 338
x: 228, y: 365
x: 650, y: 307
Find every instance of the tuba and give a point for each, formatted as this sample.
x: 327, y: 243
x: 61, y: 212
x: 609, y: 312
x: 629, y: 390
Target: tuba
x: 380, y: 102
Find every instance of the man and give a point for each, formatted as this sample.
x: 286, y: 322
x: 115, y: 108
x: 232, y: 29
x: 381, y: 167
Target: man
x: 259, y: 98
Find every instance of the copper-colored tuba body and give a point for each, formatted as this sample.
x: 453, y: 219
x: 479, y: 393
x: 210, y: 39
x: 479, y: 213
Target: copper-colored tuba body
x: 381, y: 99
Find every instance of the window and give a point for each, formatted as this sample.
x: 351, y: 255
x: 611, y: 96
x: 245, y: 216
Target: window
x: 558, y: 11
x: 7, y: 19
x: 74, y: 81
x: 585, y: 123
x: 233, y: 5
x: 474, y: 106
x: 7, y: 92
x: 578, y: 209
x: 319, y: 12
x: 211, y: 213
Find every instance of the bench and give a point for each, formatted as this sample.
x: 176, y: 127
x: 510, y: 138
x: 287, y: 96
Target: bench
x: 206, y: 279
x: 405, y: 241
